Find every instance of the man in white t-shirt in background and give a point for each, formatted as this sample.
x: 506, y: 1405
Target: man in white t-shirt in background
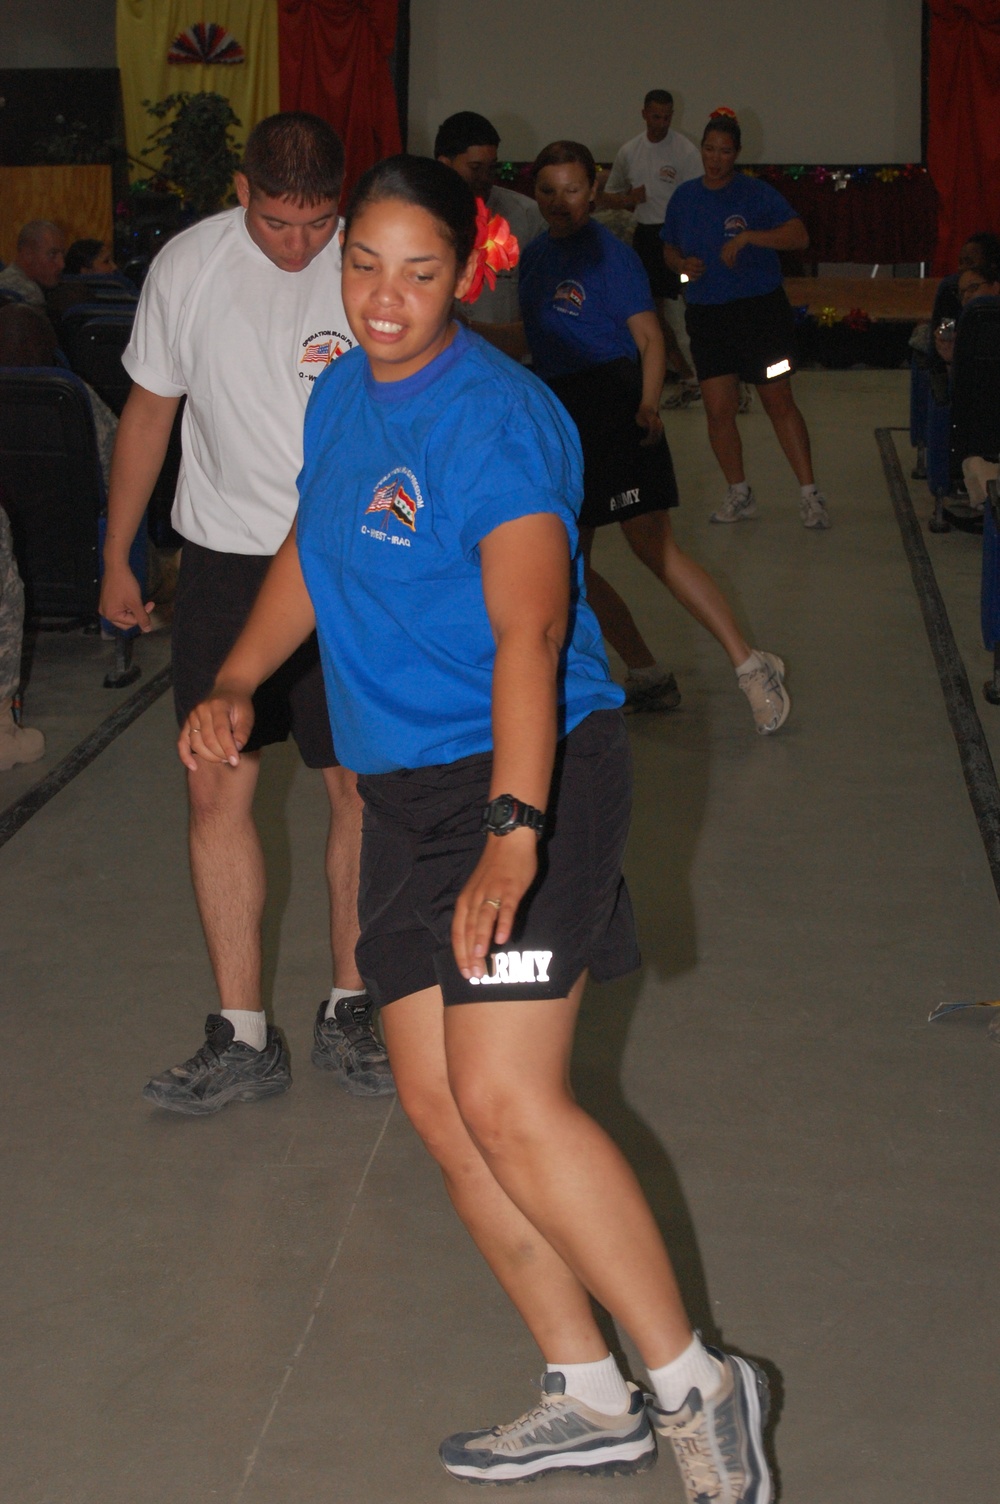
x: 646, y: 171
x: 240, y: 314
x: 469, y: 143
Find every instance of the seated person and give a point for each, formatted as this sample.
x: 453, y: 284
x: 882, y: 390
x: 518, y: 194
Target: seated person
x: 90, y: 258
x: 979, y: 250
x: 38, y: 261
x: 975, y: 285
x: 27, y: 339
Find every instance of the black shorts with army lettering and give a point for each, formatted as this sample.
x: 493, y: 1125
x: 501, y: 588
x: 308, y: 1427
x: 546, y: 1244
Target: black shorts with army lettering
x: 422, y: 839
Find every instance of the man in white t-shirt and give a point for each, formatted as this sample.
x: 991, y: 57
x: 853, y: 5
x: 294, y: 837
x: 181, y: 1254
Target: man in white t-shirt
x: 469, y: 143
x: 646, y: 171
x: 240, y: 314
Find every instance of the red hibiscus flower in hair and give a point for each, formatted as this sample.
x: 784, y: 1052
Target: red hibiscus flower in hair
x: 496, y: 250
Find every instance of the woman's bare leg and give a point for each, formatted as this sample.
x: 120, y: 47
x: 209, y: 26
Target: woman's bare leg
x: 508, y: 1067
x: 652, y: 540
x: 721, y: 397
x: 614, y: 617
x: 790, y: 426
x: 550, y: 1299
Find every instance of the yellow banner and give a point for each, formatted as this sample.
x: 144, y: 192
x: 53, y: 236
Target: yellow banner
x: 146, y: 31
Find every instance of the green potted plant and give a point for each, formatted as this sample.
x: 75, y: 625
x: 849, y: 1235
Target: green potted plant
x: 199, y: 153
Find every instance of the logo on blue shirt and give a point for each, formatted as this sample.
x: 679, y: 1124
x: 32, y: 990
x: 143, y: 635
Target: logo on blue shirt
x: 734, y: 225
x: 397, y: 494
x: 569, y: 297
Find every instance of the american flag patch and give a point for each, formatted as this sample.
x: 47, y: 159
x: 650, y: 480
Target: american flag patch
x: 322, y: 352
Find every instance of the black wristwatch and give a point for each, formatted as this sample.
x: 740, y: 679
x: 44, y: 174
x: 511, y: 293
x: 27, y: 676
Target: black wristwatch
x: 505, y: 813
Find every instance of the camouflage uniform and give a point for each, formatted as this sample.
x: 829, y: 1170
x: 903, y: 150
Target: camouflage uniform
x: 11, y: 613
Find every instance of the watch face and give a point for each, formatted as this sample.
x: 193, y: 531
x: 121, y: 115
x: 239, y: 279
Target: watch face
x: 503, y: 810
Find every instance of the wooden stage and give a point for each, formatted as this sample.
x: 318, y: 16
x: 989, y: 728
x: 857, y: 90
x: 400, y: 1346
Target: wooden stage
x: 910, y: 298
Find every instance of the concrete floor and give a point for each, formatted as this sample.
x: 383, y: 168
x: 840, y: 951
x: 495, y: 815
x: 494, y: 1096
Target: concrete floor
x: 278, y: 1304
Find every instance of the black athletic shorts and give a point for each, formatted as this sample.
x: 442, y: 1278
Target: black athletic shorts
x: 752, y: 338
x: 622, y: 477
x: 648, y: 246
x: 215, y: 594
x: 421, y: 840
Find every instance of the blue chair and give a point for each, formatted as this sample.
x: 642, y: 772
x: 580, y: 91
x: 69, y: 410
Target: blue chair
x: 56, y: 499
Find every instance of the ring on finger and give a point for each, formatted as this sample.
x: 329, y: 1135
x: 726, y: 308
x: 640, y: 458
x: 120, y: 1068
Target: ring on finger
x: 494, y: 903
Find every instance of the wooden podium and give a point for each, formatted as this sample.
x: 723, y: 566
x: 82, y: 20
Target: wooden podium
x: 79, y: 199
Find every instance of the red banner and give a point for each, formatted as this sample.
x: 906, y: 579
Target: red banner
x: 333, y: 58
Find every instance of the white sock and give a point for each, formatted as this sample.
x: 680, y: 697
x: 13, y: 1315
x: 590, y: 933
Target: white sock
x: 755, y: 661
x: 599, y: 1385
x: 337, y: 994
x: 809, y: 491
x: 741, y: 488
x: 249, y: 1028
x: 655, y: 673
x: 694, y: 1369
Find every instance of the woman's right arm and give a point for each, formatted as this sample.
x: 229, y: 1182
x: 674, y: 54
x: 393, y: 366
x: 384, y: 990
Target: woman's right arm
x: 688, y: 266
x: 281, y: 620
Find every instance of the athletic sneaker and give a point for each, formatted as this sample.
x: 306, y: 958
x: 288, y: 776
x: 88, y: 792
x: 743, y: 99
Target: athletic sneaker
x: 765, y: 690
x: 347, y: 1043
x: 719, y: 1443
x: 812, y: 510
x: 224, y: 1070
x: 656, y: 694
x: 736, y: 507
x: 560, y: 1433
x: 683, y: 394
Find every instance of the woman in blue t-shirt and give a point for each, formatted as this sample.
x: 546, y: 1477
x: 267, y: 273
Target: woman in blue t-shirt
x: 722, y: 234
x: 591, y: 325
x: 436, y: 554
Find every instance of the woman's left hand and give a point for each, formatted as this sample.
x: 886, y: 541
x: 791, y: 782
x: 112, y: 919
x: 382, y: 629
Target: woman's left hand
x: 648, y: 418
x: 732, y: 249
x: 487, y: 905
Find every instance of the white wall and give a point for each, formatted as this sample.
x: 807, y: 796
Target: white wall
x: 57, y: 34
x: 812, y: 81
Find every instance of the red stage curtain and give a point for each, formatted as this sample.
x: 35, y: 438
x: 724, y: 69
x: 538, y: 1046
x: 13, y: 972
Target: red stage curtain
x: 963, y: 147
x: 333, y: 58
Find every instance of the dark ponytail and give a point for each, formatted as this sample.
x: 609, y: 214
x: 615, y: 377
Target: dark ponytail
x: 724, y: 121
x: 428, y: 184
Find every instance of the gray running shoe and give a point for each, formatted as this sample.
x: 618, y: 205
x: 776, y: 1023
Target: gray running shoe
x: 719, y: 1443
x: 812, y: 510
x: 641, y: 694
x: 736, y: 507
x: 768, y: 697
x: 222, y: 1071
x: 683, y: 394
x: 560, y: 1433
x: 347, y: 1043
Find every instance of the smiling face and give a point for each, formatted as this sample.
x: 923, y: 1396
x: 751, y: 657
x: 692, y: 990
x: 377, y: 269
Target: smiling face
x: 718, y: 156
x: 290, y: 234
x: 565, y: 195
x: 399, y: 281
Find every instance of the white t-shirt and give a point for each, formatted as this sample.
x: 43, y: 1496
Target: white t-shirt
x: 659, y: 167
x: 499, y: 305
x: 244, y: 341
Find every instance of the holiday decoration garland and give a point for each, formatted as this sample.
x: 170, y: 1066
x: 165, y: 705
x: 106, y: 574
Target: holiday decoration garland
x: 205, y: 42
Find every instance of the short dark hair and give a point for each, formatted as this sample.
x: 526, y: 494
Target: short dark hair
x: 459, y: 132
x: 26, y: 336
x: 81, y: 256
x: 989, y: 246
x: 557, y: 153
x: 296, y: 156
x: 658, y: 96
x: 725, y: 125
x: 430, y: 185
x: 989, y: 271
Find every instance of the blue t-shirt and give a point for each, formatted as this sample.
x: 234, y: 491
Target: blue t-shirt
x: 699, y: 222
x: 576, y: 296
x: 400, y: 482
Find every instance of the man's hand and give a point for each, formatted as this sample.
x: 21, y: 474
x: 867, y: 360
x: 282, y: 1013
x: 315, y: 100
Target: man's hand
x: 217, y: 729
x: 649, y: 419
x: 488, y: 903
x: 732, y: 249
x: 121, y: 600
x: 691, y: 267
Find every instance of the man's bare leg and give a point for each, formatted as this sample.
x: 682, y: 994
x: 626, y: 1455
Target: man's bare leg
x: 227, y: 869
